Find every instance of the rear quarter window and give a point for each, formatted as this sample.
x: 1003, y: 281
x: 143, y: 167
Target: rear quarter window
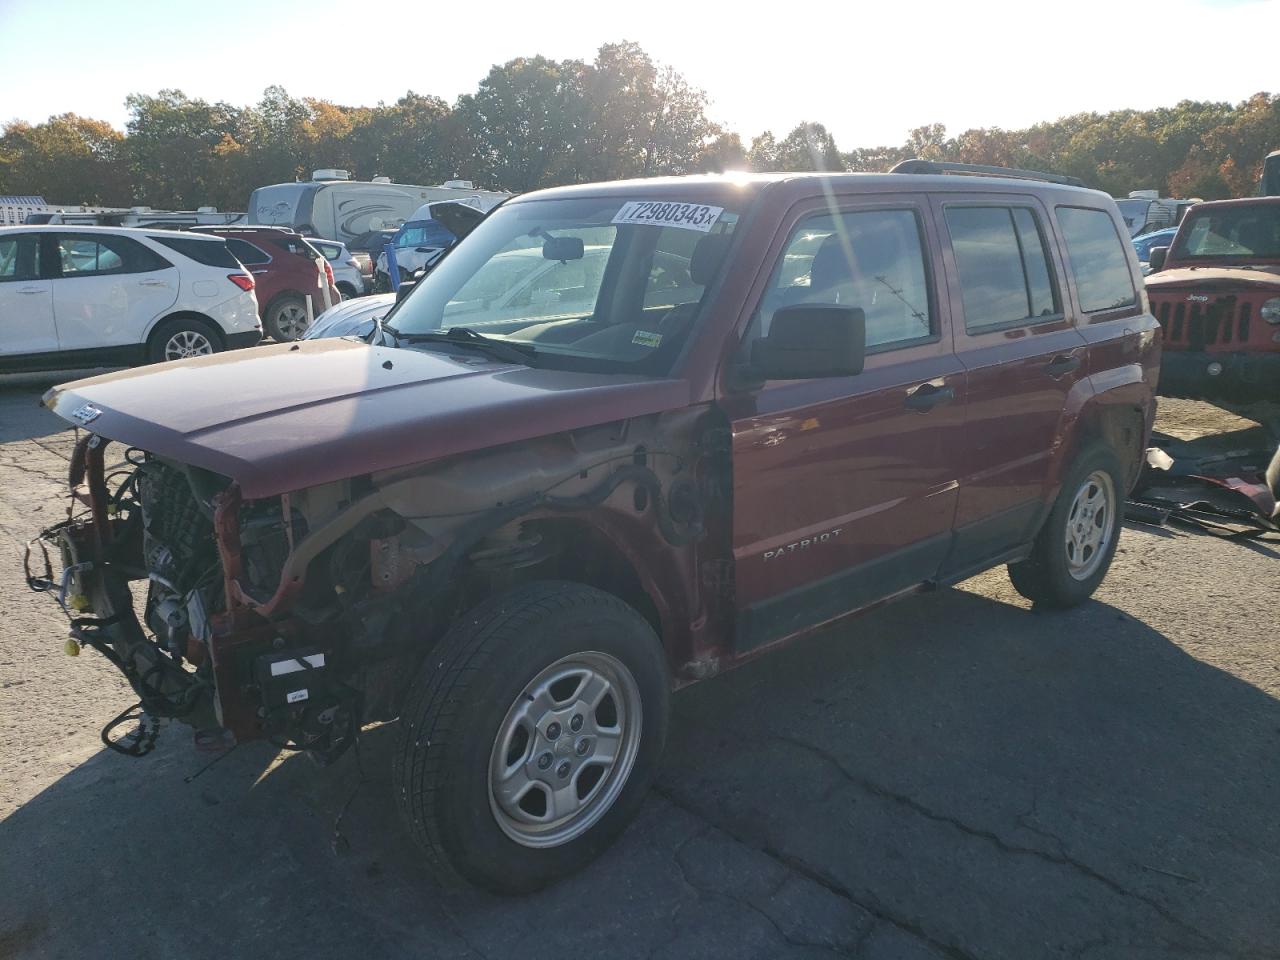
x: 246, y: 252
x: 1098, y: 259
x: 212, y: 253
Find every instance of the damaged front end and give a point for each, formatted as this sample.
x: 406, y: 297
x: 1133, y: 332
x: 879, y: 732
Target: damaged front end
x: 299, y: 617
x: 188, y: 644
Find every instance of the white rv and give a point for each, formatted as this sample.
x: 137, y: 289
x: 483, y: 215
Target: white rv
x: 335, y: 207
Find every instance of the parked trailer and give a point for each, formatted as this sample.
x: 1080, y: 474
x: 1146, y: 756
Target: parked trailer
x: 335, y: 207
x: 143, y: 217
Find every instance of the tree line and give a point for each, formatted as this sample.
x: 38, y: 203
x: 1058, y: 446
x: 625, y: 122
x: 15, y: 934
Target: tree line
x: 535, y: 122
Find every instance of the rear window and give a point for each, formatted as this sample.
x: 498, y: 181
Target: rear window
x: 1098, y: 259
x: 212, y: 253
x: 424, y: 233
x: 1005, y: 277
x: 331, y: 251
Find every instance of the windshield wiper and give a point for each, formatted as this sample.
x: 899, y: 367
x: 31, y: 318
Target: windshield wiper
x: 466, y: 337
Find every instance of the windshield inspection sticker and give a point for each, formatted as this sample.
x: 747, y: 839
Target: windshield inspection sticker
x: 656, y: 213
x: 646, y: 338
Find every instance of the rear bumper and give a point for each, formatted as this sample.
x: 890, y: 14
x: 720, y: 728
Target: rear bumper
x: 250, y: 338
x: 1238, y: 376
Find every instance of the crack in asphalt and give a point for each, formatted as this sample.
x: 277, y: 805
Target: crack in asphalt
x: 1061, y: 858
x: 821, y: 877
x: 703, y: 891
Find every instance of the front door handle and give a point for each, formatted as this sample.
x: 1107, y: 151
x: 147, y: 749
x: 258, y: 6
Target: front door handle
x: 1063, y: 364
x: 257, y: 271
x: 925, y: 397
x: 31, y: 290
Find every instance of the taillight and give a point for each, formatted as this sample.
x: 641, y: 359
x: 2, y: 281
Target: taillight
x: 328, y: 271
x: 241, y: 280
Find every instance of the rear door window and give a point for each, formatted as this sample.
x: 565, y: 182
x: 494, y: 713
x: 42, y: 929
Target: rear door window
x: 1098, y: 259
x: 1004, y: 272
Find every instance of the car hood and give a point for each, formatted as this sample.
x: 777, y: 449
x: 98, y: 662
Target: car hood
x: 291, y: 416
x: 1211, y: 277
x: 351, y: 318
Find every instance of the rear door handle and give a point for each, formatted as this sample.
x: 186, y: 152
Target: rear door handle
x: 927, y: 396
x: 153, y: 283
x: 257, y: 271
x: 31, y: 290
x: 1063, y: 364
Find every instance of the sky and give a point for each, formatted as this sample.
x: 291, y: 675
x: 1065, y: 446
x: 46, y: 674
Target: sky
x: 869, y: 71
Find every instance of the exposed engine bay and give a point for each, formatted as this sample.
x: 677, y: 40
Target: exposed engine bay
x: 298, y: 618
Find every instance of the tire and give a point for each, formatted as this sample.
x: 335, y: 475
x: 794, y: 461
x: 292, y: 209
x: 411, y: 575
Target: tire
x: 484, y: 704
x: 1062, y: 570
x: 347, y: 290
x: 286, y: 318
x: 183, y: 337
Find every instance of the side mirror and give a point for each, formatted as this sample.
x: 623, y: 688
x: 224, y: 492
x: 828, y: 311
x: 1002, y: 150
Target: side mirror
x: 562, y: 248
x: 810, y: 341
x: 1156, y: 258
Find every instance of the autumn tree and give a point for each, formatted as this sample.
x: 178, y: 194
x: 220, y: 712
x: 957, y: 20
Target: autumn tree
x: 67, y: 159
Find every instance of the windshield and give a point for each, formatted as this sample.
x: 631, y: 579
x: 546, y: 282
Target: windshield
x: 424, y: 233
x: 596, y: 284
x: 1243, y: 232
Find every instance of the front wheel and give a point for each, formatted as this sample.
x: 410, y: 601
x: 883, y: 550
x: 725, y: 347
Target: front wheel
x: 529, y: 738
x: 1074, y: 548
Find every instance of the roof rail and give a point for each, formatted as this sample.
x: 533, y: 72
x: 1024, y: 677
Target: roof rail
x: 983, y: 170
x: 235, y: 227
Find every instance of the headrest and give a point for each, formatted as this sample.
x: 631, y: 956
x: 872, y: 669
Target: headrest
x: 708, y: 254
x: 830, y: 264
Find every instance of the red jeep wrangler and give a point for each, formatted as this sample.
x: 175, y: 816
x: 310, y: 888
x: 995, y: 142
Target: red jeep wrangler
x: 722, y: 412
x: 1216, y: 293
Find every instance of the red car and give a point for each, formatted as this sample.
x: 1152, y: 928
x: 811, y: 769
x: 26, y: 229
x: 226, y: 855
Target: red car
x: 1216, y: 293
x: 288, y: 271
x: 623, y: 437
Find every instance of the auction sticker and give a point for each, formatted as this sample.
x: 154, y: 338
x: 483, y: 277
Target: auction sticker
x: 659, y: 213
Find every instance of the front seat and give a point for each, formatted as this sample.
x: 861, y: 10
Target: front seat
x: 708, y: 253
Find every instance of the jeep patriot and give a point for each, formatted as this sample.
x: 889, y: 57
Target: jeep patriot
x: 719, y: 413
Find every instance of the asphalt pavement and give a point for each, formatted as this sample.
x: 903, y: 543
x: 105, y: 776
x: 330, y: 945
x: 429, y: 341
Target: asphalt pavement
x: 953, y: 776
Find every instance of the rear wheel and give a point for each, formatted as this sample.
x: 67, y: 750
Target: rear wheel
x: 1074, y: 548
x: 531, y: 735
x: 286, y: 318
x: 183, y: 337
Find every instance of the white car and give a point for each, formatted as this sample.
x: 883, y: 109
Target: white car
x: 348, y: 276
x: 112, y: 296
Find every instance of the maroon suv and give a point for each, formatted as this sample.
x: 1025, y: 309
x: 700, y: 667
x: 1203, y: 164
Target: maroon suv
x: 623, y: 437
x: 1216, y: 293
x: 290, y: 275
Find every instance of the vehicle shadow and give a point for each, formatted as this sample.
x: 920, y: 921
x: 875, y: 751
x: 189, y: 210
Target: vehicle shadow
x: 22, y: 417
x: 982, y: 779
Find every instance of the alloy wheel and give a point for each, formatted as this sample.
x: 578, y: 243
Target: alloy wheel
x: 565, y: 749
x: 187, y: 343
x: 1090, y: 525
